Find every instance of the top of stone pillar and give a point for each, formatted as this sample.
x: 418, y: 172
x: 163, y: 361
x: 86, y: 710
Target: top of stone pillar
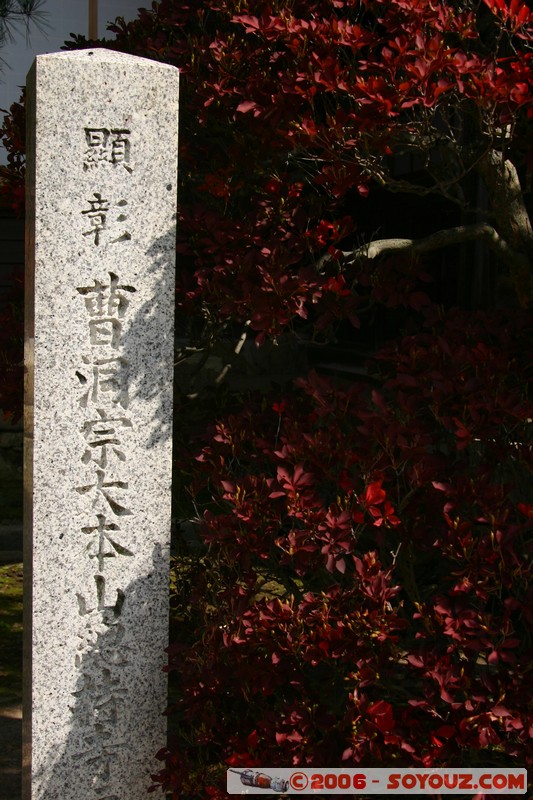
x: 103, y: 55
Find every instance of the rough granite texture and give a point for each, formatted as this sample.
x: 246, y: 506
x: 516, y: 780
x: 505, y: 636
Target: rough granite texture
x: 102, y: 170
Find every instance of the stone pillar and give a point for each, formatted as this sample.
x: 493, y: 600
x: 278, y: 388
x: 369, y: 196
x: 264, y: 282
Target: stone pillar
x: 102, y: 171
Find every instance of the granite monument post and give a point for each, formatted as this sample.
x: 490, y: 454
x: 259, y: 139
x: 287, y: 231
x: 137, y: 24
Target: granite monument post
x: 102, y: 171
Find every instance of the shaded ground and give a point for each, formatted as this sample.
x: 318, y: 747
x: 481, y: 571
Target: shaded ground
x: 10, y: 615
x: 10, y: 477
x: 10, y: 665
x: 10, y: 751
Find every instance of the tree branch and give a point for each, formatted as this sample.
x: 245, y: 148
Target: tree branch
x: 240, y: 344
x: 446, y: 238
x: 507, y: 199
x: 228, y: 365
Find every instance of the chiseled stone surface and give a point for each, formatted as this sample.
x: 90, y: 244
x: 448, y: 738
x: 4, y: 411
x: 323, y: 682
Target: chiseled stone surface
x: 102, y: 170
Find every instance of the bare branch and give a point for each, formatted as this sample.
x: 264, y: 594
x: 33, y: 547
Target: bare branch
x: 240, y: 344
x: 226, y: 368
x: 446, y: 238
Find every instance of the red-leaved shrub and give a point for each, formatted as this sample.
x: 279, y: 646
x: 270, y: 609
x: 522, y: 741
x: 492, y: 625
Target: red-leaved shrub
x: 362, y: 597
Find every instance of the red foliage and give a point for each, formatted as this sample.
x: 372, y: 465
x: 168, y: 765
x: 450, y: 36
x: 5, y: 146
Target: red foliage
x: 13, y: 134
x: 363, y: 544
x: 293, y: 111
